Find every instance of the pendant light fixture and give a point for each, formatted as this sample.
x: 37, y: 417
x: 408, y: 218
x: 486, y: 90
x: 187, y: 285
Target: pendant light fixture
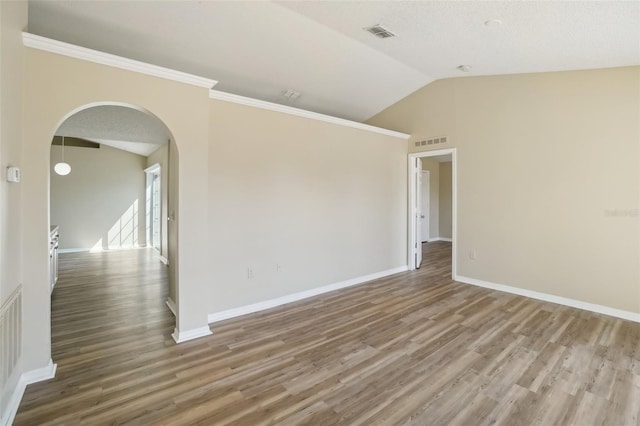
x: 62, y: 168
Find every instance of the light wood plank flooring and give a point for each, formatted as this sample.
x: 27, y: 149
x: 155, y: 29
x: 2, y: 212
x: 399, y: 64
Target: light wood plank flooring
x: 414, y: 348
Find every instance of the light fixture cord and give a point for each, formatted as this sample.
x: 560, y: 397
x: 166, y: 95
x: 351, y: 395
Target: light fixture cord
x: 63, y: 149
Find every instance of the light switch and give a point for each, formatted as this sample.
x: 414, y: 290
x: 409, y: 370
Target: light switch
x: 13, y: 174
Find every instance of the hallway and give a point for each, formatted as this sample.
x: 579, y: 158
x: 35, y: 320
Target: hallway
x: 109, y: 319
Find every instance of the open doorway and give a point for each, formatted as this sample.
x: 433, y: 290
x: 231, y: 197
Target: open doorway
x: 110, y: 209
x: 432, y: 203
x: 100, y: 202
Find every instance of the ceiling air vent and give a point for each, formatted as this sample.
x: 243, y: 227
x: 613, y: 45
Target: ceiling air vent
x: 380, y: 31
x: 291, y: 94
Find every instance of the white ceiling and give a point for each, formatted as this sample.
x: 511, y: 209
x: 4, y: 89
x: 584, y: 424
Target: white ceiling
x: 260, y: 49
x: 535, y: 36
x: 116, y: 126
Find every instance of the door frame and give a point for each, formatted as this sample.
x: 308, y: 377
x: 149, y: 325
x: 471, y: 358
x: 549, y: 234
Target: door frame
x: 426, y: 190
x: 417, y: 212
x: 155, y: 169
x: 412, y: 237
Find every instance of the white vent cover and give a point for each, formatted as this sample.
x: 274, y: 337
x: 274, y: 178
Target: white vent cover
x: 10, y: 337
x: 291, y: 94
x: 432, y: 141
x: 380, y: 31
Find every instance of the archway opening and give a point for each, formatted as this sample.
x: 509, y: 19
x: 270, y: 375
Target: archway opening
x: 112, y: 270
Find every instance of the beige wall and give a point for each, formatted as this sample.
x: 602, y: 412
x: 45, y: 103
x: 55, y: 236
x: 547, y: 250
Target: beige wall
x: 172, y: 225
x: 440, y: 208
x: 167, y: 158
x: 433, y: 167
x: 548, y: 177
x: 101, y: 203
x: 13, y: 19
x: 251, y: 188
x: 325, y: 202
x: 445, y: 194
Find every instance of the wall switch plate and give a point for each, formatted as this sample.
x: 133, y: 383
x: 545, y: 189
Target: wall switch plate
x: 13, y: 174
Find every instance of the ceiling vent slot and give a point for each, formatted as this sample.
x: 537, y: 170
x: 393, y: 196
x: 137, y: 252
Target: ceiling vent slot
x: 431, y: 141
x: 380, y: 31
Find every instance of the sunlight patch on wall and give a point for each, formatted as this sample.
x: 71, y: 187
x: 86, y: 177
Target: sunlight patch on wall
x: 124, y: 233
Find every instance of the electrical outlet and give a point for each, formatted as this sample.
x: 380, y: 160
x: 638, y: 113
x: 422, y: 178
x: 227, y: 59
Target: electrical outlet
x: 473, y: 255
x: 249, y: 273
x: 279, y: 268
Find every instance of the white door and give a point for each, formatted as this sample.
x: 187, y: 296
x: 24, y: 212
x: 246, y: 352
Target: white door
x: 418, y: 213
x: 424, y: 217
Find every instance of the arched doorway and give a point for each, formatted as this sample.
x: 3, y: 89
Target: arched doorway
x: 102, y: 205
x: 70, y: 85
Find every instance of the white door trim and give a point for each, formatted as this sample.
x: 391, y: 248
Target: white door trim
x: 151, y: 172
x: 417, y: 256
x: 411, y: 240
x: 426, y: 199
x: 152, y: 168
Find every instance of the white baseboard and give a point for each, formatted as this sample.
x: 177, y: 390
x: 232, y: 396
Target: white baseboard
x: 73, y: 250
x: 99, y: 250
x: 171, y: 305
x: 272, y: 303
x: 184, y: 336
x: 40, y: 374
x: 27, y: 378
x: 164, y: 260
x: 439, y: 239
x: 606, y: 310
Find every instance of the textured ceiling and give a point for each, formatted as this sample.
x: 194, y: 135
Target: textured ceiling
x: 120, y: 127
x: 260, y: 49
x: 535, y: 36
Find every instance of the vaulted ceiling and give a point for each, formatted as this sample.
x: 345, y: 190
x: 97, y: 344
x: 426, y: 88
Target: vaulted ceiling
x: 319, y: 49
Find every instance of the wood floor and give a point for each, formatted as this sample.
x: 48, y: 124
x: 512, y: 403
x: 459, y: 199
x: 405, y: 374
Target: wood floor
x: 414, y: 348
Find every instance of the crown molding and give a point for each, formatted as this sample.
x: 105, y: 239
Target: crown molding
x: 71, y: 50
x: 243, y: 100
x: 90, y: 55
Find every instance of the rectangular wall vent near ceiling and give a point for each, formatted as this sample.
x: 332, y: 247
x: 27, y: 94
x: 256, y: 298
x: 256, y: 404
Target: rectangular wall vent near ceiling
x: 380, y: 31
x: 432, y: 141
